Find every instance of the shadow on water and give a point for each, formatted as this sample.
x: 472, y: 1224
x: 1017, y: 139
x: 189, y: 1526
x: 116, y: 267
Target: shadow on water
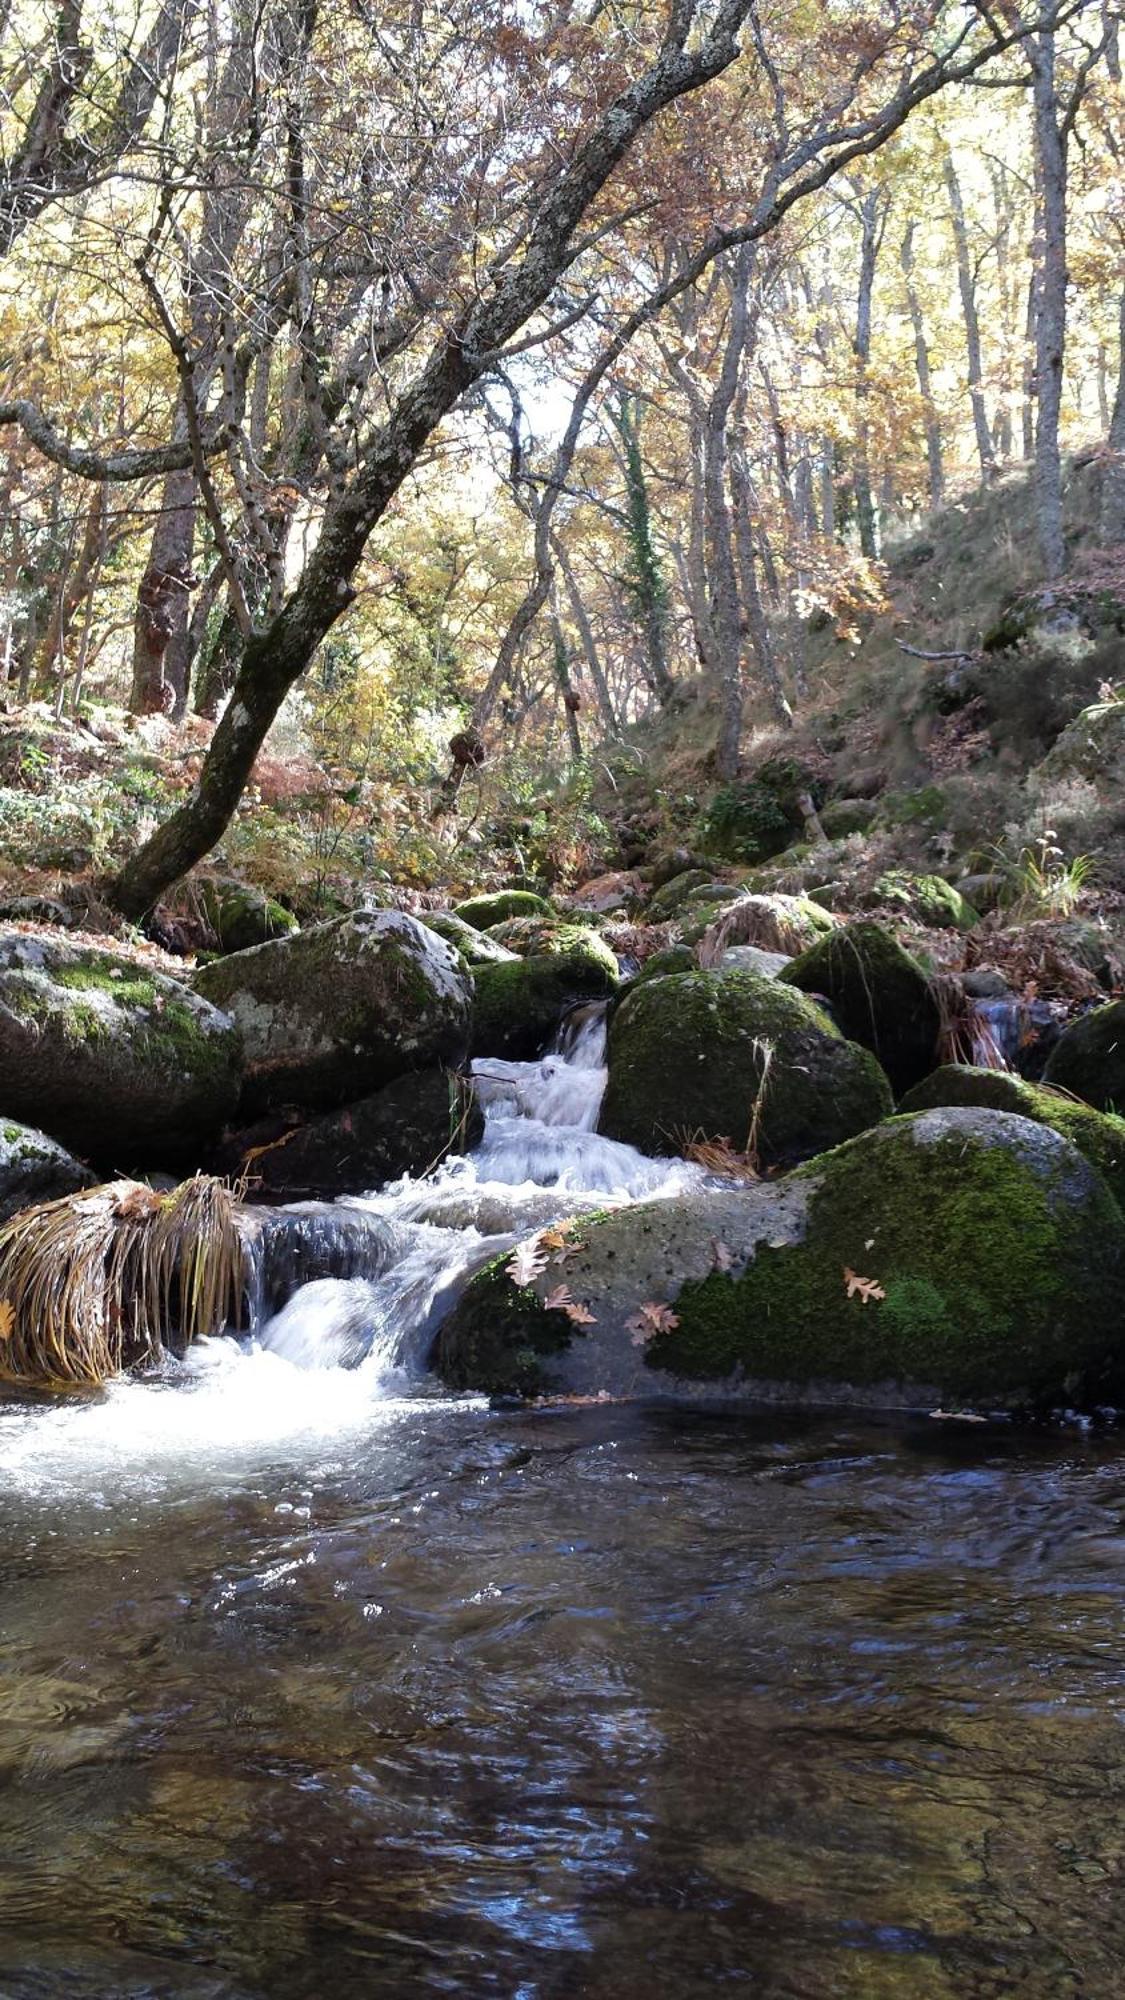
x: 603, y: 1701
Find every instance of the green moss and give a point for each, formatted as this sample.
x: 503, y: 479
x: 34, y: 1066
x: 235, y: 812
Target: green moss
x: 1098, y: 1135
x: 687, y: 1058
x: 129, y: 988
x: 553, y: 937
x: 999, y: 1275
x: 1089, y: 1060
x: 500, y: 1338
x: 928, y: 898
x: 518, y: 1006
x: 747, y: 822
x: 671, y: 895
x: 880, y: 995
x: 484, y: 911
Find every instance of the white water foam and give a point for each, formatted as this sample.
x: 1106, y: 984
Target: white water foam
x: 344, y: 1352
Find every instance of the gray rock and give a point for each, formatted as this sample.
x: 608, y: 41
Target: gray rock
x: 34, y: 1168
x: 337, y: 1011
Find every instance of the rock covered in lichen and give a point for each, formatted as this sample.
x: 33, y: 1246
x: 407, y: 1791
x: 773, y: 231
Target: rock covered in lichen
x: 735, y: 1056
x: 34, y: 1168
x: 482, y: 912
x: 881, y: 997
x: 112, y: 1057
x: 960, y: 1256
x: 1099, y: 1135
x: 472, y: 946
x: 518, y: 1007
x: 929, y: 899
x: 1089, y: 1059
x: 553, y: 937
x: 334, y: 1012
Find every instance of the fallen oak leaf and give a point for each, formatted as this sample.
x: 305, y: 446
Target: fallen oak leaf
x: 526, y: 1263
x: 560, y: 1301
x: 650, y: 1319
x: 864, y: 1289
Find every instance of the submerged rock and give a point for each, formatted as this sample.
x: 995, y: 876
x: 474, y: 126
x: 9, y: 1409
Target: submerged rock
x: 34, y: 1168
x: 518, y: 1007
x: 118, y: 1061
x: 1089, y: 1059
x: 879, y: 994
x: 688, y: 1054
x: 338, y: 1010
x: 484, y: 911
x: 405, y: 1128
x: 1099, y: 1135
x: 956, y: 1256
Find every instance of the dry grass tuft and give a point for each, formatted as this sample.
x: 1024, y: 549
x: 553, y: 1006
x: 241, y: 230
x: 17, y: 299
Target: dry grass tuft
x: 964, y: 1034
x: 106, y: 1279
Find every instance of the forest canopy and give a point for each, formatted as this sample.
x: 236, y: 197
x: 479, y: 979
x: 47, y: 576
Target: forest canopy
x: 462, y: 375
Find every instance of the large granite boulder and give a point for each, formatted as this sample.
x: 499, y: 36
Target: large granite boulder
x: 1089, y: 1059
x: 957, y: 1257
x: 739, y: 1057
x: 880, y: 995
x: 405, y: 1128
x: 114, y: 1059
x: 335, y: 1012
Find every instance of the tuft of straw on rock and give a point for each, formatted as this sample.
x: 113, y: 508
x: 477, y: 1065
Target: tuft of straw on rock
x: 107, y: 1279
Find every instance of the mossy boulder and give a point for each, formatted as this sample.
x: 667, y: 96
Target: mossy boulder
x: 405, y: 1128
x: 482, y: 912
x: 674, y: 958
x: 473, y: 947
x: 957, y: 1257
x: 342, y: 1008
x: 119, y: 1062
x: 672, y: 894
x: 553, y: 937
x: 929, y: 899
x: 242, y: 916
x: 1099, y: 1135
x: 34, y: 1168
x: 879, y: 994
x: 771, y: 921
x: 1089, y: 1059
x: 751, y: 958
x: 518, y: 1007
x: 842, y: 817
x: 712, y: 1055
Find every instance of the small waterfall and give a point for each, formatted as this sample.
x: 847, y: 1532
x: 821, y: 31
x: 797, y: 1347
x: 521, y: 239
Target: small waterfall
x: 364, y: 1282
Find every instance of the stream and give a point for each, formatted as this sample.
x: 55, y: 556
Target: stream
x: 317, y: 1681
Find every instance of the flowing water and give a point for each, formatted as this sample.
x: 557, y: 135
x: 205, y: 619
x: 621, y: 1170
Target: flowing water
x: 315, y: 1682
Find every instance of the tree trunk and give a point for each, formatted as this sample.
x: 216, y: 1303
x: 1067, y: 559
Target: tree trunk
x: 1112, y: 512
x: 871, y: 226
x: 930, y: 419
x: 1050, y: 331
x: 724, y: 608
x: 967, y: 286
x: 163, y: 603
x: 570, y: 701
x: 586, y: 636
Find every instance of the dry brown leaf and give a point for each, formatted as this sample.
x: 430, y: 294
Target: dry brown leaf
x: 579, y: 1315
x: 650, y: 1319
x: 526, y: 1263
x: 865, y: 1289
x: 7, y: 1319
x: 558, y: 1300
